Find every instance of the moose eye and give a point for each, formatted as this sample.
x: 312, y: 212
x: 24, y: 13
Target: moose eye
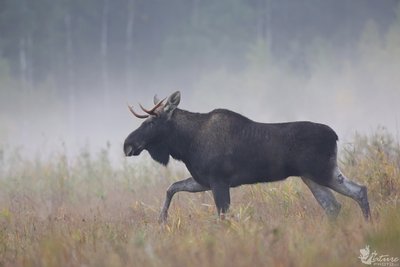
x: 151, y: 122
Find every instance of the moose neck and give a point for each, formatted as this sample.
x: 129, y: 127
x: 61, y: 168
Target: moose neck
x: 185, y: 124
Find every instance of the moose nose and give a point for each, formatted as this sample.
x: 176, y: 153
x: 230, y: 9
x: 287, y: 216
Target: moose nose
x: 128, y: 150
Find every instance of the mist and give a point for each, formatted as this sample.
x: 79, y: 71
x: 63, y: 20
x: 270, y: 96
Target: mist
x: 68, y: 69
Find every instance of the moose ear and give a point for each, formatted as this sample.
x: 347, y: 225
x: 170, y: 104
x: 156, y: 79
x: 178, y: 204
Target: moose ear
x: 172, y: 102
x: 156, y: 100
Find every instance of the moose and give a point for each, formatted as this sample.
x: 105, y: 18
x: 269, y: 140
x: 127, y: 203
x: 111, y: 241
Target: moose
x: 223, y: 149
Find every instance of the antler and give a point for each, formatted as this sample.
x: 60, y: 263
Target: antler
x: 151, y: 111
x: 135, y: 114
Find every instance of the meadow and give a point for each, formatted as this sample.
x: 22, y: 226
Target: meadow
x: 88, y: 211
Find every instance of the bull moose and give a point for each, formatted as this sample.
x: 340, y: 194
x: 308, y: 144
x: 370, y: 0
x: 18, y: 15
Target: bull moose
x: 223, y: 149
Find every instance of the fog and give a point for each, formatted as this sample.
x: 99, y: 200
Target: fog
x: 68, y: 69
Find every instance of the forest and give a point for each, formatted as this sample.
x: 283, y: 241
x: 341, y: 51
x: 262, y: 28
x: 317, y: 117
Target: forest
x: 67, y: 41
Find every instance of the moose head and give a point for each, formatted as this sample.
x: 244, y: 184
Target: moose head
x: 153, y: 132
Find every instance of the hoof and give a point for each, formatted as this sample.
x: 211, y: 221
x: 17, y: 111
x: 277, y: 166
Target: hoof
x: 162, y: 219
x: 364, y: 204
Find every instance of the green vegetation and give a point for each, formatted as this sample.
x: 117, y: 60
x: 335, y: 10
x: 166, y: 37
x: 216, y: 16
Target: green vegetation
x: 88, y: 212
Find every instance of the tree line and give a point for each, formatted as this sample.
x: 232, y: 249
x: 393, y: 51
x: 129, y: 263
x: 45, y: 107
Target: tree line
x: 75, y: 42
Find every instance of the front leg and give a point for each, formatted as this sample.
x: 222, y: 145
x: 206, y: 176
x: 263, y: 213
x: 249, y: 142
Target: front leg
x: 221, y: 197
x: 187, y: 185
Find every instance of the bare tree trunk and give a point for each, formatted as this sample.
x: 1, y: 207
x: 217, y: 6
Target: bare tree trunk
x: 25, y: 70
x: 23, y: 65
x: 70, y: 72
x: 129, y: 46
x: 268, y: 23
x: 195, y: 12
x: 29, y: 64
x: 265, y: 22
x: 104, y: 55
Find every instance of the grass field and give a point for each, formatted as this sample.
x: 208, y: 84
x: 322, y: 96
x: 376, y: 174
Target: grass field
x: 88, y: 212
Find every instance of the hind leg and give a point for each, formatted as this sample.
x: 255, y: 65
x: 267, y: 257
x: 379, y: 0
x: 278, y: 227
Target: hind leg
x: 345, y: 186
x: 325, y: 198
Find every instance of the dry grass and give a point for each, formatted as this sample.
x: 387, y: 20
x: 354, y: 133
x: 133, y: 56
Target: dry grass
x: 89, y: 213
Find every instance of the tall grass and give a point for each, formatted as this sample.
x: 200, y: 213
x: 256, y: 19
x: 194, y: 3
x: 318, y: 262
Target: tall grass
x: 88, y: 212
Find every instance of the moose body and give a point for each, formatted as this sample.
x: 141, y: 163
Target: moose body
x: 223, y: 149
x: 223, y: 145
